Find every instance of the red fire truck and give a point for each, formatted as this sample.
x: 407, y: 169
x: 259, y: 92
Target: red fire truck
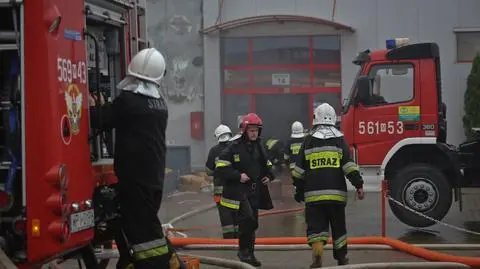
x: 51, y: 202
x: 395, y: 121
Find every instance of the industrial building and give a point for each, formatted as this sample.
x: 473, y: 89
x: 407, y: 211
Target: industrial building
x: 279, y: 58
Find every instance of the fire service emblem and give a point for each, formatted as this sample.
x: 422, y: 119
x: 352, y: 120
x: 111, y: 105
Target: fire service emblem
x: 73, y: 98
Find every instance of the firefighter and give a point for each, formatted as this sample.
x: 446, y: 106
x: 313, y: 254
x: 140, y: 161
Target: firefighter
x: 223, y: 134
x: 246, y: 171
x: 139, y: 115
x: 319, y: 179
x: 275, y: 153
x: 292, y: 146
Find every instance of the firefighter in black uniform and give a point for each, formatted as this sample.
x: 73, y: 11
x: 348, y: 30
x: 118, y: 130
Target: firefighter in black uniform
x: 139, y: 115
x: 246, y: 171
x: 292, y: 147
x: 275, y: 154
x: 223, y: 134
x: 319, y: 178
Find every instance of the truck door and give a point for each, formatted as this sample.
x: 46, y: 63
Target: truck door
x: 391, y: 114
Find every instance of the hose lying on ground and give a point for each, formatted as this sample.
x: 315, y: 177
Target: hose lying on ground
x: 225, y: 263
x: 400, y: 265
x: 376, y: 240
x: 456, y: 247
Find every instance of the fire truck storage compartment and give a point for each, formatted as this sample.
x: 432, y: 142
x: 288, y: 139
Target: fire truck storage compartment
x: 10, y: 107
x: 11, y: 207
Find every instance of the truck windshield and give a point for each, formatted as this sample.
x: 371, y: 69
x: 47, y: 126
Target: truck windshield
x: 348, y: 101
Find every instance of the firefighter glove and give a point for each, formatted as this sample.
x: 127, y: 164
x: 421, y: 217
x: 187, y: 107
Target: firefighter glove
x: 299, y: 195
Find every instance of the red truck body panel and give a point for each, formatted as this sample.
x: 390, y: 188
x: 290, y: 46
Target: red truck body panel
x: 56, y: 98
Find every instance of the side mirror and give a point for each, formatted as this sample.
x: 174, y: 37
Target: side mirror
x: 363, y: 89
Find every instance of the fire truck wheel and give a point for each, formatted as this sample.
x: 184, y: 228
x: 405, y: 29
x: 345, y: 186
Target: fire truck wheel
x: 425, y: 189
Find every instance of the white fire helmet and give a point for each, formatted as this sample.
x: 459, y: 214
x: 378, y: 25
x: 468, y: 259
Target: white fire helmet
x: 324, y: 114
x: 148, y: 65
x: 297, y: 130
x: 223, y: 133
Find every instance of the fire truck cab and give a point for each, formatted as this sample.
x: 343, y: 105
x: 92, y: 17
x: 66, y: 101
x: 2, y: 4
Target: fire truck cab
x: 395, y: 122
x: 53, y: 55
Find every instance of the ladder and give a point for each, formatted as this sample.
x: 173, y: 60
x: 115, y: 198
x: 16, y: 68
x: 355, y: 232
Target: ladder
x: 138, y: 27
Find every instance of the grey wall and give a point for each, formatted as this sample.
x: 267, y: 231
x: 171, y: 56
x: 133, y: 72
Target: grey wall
x: 173, y: 27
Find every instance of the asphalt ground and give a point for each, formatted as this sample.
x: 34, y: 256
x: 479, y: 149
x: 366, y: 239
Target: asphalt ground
x: 363, y: 219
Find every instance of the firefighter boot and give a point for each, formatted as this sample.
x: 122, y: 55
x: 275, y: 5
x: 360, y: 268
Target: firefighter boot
x: 245, y: 252
x: 317, y: 252
x: 245, y: 256
x: 342, y: 261
x: 254, y: 260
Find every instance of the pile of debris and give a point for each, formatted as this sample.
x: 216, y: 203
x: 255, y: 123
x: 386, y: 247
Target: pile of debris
x: 196, y: 182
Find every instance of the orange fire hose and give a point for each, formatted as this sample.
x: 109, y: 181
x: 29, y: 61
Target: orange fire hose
x: 373, y: 240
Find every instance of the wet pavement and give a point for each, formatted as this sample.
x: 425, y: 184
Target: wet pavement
x: 363, y: 219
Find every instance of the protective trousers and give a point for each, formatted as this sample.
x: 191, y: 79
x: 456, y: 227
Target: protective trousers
x: 319, y: 218
x: 246, y: 217
x: 227, y: 220
x: 146, y: 244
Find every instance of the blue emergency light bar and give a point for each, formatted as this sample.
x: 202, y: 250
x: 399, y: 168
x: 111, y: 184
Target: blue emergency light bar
x: 397, y: 42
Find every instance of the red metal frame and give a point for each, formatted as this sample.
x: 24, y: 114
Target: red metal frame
x: 251, y: 67
x: 311, y: 67
x: 279, y: 90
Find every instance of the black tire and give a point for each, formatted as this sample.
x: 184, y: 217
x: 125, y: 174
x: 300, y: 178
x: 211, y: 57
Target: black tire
x: 422, y: 176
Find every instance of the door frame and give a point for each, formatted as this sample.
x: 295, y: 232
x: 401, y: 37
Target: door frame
x: 311, y: 66
x: 311, y: 92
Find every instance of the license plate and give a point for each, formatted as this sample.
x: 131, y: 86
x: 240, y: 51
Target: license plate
x: 81, y: 221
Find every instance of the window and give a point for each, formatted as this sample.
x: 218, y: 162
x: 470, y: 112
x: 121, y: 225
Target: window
x: 392, y: 84
x: 236, y: 79
x: 234, y: 51
x: 468, y: 45
x: 266, y: 64
x: 281, y: 78
x: 327, y: 78
x: 280, y: 50
x: 326, y: 50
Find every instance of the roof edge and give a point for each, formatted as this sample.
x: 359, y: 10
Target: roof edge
x: 232, y: 24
